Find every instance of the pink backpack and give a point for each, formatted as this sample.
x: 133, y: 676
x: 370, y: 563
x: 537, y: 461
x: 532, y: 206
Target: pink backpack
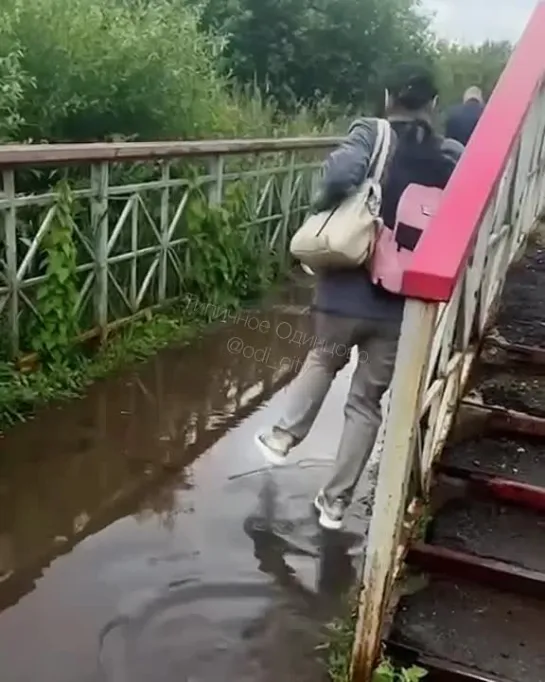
x: 394, y: 247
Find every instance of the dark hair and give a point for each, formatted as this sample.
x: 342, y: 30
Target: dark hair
x: 412, y: 86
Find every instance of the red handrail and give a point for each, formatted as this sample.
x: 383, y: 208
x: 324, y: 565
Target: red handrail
x: 445, y: 246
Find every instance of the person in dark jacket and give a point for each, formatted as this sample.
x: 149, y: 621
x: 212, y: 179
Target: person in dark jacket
x: 349, y: 310
x: 462, y: 118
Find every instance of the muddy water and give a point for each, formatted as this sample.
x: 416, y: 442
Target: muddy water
x: 142, y: 539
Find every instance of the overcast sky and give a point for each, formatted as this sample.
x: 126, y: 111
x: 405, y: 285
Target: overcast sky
x: 473, y: 21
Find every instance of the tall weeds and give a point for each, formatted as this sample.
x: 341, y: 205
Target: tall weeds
x: 75, y: 70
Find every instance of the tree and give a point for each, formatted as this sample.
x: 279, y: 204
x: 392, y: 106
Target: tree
x: 304, y: 50
x: 460, y: 66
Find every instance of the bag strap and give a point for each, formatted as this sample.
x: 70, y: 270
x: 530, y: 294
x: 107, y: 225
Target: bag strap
x: 379, y: 141
x: 382, y: 149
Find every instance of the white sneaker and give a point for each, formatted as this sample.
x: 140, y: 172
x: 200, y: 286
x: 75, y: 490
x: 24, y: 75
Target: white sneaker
x: 331, y: 515
x: 274, y: 446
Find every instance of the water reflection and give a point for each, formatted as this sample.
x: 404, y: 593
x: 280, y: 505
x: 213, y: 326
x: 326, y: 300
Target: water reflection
x: 260, y: 623
x: 273, y: 537
x: 75, y: 469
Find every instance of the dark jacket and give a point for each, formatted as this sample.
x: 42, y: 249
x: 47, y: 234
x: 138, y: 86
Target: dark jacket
x: 462, y: 119
x: 351, y: 292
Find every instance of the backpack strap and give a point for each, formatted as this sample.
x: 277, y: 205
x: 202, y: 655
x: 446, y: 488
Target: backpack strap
x: 381, y: 150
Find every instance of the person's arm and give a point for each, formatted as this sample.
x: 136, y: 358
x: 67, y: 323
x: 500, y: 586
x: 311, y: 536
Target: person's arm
x: 347, y: 167
x: 451, y: 151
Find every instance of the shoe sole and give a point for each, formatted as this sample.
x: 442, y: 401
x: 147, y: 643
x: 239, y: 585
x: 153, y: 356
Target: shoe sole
x: 325, y: 521
x: 268, y: 454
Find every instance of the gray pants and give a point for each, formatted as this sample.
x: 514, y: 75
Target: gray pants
x: 377, y: 345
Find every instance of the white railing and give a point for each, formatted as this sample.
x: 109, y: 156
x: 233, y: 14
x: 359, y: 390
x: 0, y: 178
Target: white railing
x: 129, y: 225
x: 453, y: 285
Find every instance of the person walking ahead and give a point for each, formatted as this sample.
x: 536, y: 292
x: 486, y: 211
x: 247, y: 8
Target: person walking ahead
x: 349, y: 310
x: 462, y: 118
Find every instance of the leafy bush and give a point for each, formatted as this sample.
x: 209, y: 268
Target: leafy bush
x: 225, y: 261
x: 13, y: 82
x: 387, y: 672
x: 85, y: 70
x: 54, y: 329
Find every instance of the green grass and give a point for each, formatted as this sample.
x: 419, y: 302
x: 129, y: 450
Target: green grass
x: 339, y: 643
x: 338, y: 650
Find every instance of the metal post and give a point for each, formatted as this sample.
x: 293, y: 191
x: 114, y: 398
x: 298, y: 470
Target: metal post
x: 164, y: 230
x: 215, y: 188
x: 287, y: 196
x: 391, y: 493
x: 99, y: 224
x: 133, y: 294
x: 10, y: 240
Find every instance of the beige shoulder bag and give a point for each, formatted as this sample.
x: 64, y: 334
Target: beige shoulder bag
x: 345, y: 236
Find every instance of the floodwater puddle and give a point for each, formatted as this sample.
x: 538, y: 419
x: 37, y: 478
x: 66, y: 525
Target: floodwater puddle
x: 143, y: 539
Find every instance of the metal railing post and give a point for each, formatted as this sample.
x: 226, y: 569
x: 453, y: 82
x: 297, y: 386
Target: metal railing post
x: 12, y: 280
x: 394, y: 473
x: 164, y: 231
x: 99, y: 227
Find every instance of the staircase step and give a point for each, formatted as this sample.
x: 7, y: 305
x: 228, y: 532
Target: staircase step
x: 520, y: 319
x: 520, y: 459
x: 442, y: 561
x: 438, y: 669
x: 497, y: 633
x: 493, y: 530
x: 483, y: 485
x: 522, y: 299
x: 514, y: 391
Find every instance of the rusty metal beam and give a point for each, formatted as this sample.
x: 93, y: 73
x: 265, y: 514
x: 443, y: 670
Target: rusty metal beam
x: 498, y: 351
x: 490, y: 572
x: 499, y: 419
x: 502, y: 489
x: 439, y: 669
